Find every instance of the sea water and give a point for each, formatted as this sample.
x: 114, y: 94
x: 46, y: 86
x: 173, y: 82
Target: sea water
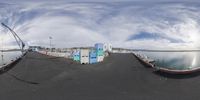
x: 175, y: 60
x: 8, y: 56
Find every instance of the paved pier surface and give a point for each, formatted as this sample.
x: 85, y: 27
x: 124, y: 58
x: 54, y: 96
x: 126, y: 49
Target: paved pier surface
x: 119, y: 77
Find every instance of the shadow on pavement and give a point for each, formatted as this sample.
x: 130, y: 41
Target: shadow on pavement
x: 177, y: 76
x: 10, y: 66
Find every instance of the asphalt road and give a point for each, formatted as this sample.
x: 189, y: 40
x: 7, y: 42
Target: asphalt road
x: 119, y: 77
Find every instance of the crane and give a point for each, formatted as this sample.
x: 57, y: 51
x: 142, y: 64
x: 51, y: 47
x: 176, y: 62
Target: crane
x: 19, y: 41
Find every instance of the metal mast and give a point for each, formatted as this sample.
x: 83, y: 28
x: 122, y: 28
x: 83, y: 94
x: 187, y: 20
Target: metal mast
x: 17, y: 38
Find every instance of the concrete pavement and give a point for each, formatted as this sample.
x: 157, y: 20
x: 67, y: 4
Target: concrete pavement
x: 119, y: 77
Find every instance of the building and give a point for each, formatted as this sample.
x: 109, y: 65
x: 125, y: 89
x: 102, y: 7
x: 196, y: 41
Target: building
x: 84, y: 56
x: 34, y: 48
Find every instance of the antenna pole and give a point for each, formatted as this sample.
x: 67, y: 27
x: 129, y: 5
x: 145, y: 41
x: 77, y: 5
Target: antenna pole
x: 2, y: 51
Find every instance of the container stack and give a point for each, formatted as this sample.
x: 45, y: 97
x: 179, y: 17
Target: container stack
x: 93, y: 57
x: 84, y: 55
x: 99, y: 52
x: 76, y: 55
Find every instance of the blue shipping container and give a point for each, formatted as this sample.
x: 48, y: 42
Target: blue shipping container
x: 99, y: 46
x: 76, y: 56
x: 100, y: 53
x: 93, y: 57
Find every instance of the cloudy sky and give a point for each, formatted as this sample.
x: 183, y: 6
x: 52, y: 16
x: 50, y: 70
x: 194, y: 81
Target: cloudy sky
x: 129, y: 24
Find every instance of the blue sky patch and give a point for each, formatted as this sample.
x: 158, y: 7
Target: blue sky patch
x: 143, y: 35
x: 153, y: 36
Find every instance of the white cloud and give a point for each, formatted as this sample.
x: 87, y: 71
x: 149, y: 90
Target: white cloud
x: 83, y: 24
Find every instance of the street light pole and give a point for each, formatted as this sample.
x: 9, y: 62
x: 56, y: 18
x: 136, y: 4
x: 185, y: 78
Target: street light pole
x: 50, y: 38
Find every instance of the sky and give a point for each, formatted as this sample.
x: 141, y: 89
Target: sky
x: 134, y: 24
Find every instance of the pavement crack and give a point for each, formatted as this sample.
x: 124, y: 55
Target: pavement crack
x: 22, y: 80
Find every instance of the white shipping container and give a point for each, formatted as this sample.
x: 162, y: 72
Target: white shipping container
x: 110, y: 47
x: 84, y: 56
x: 104, y: 47
x: 107, y: 47
x: 100, y: 58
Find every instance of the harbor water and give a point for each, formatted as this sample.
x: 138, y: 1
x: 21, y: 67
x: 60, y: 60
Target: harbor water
x: 9, y: 56
x: 175, y: 60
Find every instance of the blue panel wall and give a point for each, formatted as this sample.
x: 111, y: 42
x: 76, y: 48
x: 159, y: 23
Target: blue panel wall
x: 93, y: 54
x: 76, y: 58
x: 100, y: 53
x: 76, y: 55
x: 93, y: 60
x: 93, y: 57
x: 99, y: 46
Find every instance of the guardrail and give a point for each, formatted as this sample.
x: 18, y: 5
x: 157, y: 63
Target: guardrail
x: 56, y: 54
x: 10, y: 64
x: 144, y: 59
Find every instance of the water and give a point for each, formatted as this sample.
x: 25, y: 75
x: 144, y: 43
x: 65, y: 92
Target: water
x: 8, y: 56
x: 175, y: 60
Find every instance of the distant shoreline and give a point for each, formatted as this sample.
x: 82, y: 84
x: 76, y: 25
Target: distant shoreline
x: 168, y: 50
x: 149, y: 50
x: 10, y: 50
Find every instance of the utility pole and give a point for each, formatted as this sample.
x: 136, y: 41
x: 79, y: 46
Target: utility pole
x: 50, y: 46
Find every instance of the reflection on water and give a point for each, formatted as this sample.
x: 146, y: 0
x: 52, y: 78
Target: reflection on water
x: 175, y: 60
x: 6, y: 57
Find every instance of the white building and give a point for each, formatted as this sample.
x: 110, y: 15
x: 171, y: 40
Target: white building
x: 84, y: 54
